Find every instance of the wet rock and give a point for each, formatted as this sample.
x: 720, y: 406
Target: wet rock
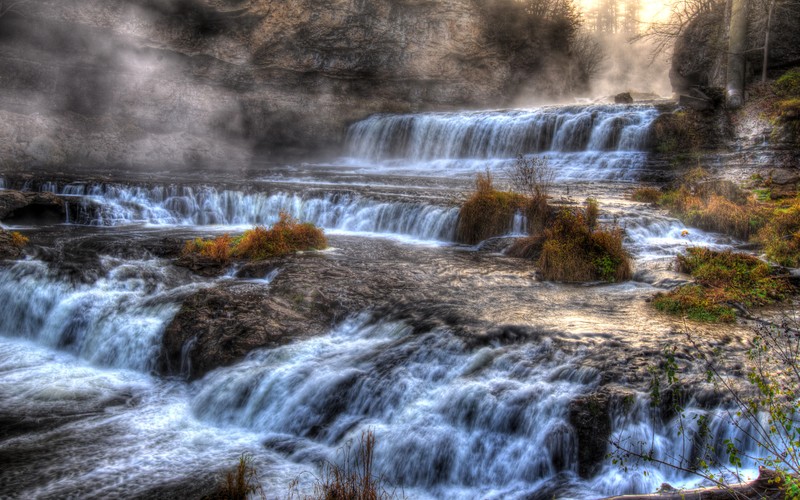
x: 9, y: 248
x: 623, y: 98
x: 590, y: 415
x: 31, y: 207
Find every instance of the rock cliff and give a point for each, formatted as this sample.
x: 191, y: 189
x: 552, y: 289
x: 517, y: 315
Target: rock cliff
x: 169, y: 83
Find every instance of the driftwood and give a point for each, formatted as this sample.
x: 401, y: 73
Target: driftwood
x: 766, y: 486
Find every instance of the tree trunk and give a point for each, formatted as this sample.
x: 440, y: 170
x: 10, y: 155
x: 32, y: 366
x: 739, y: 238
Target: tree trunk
x: 766, y: 486
x: 765, y: 62
x: 737, y: 46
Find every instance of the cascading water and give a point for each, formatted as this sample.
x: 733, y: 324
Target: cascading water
x: 111, y: 204
x: 115, y: 322
x: 587, y: 142
x: 454, y: 418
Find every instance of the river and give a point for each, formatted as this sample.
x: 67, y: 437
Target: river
x: 473, y: 402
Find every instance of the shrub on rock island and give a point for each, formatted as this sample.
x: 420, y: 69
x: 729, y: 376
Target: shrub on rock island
x: 573, y: 251
x: 285, y: 237
x: 724, y: 281
x: 488, y: 212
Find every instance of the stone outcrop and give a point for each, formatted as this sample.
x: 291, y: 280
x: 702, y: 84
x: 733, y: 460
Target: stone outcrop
x: 9, y: 247
x: 700, y: 55
x: 167, y: 83
x: 30, y: 207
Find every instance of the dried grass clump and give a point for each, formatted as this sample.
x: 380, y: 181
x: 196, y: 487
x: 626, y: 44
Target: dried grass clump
x: 488, y: 212
x: 714, y: 205
x: 781, y: 236
x: 572, y: 251
x: 239, y: 483
x: 354, y: 480
x: 217, y: 250
x: 18, y: 239
x: 287, y: 236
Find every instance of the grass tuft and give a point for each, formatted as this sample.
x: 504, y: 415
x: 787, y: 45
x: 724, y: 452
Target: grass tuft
x: 647, y: 195
x: 488, y: 212
x: 18, y: 239
x: 287, y: 236
x: 239, y: 483
x: 217, y: 250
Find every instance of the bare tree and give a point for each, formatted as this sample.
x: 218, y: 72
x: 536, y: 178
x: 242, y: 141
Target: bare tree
x: 683, y: 12
x: 7, y: 6
x: 531, y: 175
x: 588, y: 56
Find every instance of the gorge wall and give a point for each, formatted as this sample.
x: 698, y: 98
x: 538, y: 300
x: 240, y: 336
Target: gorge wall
x: 171, y: 83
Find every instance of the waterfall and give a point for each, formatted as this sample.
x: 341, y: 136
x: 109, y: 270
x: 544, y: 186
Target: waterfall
x: 452, y: 417
x: 115, y: 322
x: 114, y: 204
x: 604, y: 141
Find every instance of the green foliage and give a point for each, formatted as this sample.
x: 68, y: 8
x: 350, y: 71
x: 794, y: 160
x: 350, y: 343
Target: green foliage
x: 765, y: 411
x: 694, y: 302
x: 722, y: 278
x: 788, y: 84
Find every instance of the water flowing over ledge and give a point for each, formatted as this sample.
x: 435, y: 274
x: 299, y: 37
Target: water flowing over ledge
x: 117, y: 204
x: 580, y: 142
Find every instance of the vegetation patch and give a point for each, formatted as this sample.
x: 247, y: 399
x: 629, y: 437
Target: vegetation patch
x: 488, y: 212
x: 780, y: 235
x: 18, y: 240
x: 676, y: 133
x: 647, y: 195
x: 715, y: 205
x: 285, y: 237
x: 573, y: 250
x: 722, y: 280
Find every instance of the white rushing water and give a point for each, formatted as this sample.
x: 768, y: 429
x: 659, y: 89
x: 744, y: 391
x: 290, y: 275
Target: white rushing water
x: 114, y: 204
x: 453, y: 419
x: 581, y: 142
x: 116, y: 321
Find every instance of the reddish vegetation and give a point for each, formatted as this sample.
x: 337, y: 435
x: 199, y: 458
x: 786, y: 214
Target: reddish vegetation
x: 287, y: 236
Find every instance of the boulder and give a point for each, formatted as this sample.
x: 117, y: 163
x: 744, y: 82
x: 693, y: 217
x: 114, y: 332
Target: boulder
x: 623, y: 98
x: 590, y: 416
x: 9, y: 247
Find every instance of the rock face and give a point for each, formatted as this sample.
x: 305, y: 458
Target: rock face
x: 211, y: 82
x: 698, y: 61
x: 31, y: 207
x: 9, y: 248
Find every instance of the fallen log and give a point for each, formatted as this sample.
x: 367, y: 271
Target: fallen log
x: 767, y: 486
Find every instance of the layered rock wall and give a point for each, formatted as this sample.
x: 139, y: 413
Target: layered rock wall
x: 166, y: 83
